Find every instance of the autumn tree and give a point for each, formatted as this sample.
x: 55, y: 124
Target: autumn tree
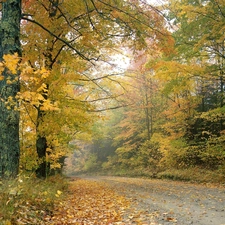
x: 134, y: 132
x: 199, y: 35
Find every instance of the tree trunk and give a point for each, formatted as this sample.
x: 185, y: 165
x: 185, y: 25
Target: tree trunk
x: 43, y: 169
x: 44, y: 166
x: 9, y: 117
x: 41, y: 145
x: 147, y: 116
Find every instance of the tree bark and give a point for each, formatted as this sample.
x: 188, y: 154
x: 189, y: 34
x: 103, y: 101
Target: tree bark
x: 9, y: 116
x: 43, y: 169
x: 41, y: 144
x: 44, y: 166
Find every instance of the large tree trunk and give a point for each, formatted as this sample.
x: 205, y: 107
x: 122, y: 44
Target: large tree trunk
x: 9, y: 117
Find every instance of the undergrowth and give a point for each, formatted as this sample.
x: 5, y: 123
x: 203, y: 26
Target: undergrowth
x: 28, y: 200
x: 194, y: 174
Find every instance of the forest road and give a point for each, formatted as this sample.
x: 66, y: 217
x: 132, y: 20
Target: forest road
x: 170, y: 202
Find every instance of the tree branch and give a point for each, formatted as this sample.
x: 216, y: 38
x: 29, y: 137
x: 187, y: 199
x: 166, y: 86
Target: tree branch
x: 60, y: 39
x: 110, y: 108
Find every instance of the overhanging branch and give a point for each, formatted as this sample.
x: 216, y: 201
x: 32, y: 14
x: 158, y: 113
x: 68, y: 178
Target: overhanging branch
x: 110, y: 108
x: 60, y: 39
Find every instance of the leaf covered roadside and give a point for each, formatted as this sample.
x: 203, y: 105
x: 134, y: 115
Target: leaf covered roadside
x: 28, y: 200
x: 57, y: 202
x: 89, y: 202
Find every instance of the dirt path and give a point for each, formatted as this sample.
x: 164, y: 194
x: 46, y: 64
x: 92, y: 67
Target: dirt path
x: 168, y: 202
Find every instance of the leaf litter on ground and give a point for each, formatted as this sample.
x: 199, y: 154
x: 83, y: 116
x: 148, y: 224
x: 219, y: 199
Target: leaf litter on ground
x: 93, y: 203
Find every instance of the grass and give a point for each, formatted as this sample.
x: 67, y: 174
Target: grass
x: 27, y: 200
x: 193, y: 175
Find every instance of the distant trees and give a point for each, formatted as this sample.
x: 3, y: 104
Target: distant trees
x: 175, y: 115
x: 200, y: 43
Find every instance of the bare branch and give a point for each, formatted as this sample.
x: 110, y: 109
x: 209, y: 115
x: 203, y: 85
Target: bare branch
x: 101, y: 99
x: 131, y: 16
x: 100, y: 78
x: 110, y: 108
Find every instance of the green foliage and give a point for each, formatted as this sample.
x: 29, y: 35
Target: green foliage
x: 214, y: 154
x: 91, y: 164
x: 193, y: 174
x: 111, y: 164
x: 149, y: 155
x: 174, y: 155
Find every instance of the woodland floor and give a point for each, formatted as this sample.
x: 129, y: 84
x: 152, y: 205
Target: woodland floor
x: 116, y: 200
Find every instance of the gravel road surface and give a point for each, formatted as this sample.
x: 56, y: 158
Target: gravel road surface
x: 169, y: 202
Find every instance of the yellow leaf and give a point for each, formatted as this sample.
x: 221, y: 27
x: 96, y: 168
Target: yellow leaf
x: 59, y: 192
x: 9, y: 82
x: 48, y: 200
x: 44, y: 73
x: 7, y: 222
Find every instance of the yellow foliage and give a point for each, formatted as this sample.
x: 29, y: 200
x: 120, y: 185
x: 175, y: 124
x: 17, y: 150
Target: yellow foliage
x: 48, y: 106
x: 11, y: 62
x: 9, y: 82
x: 1, y: 69
x: 44, y: 73
x: 42, y: 88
